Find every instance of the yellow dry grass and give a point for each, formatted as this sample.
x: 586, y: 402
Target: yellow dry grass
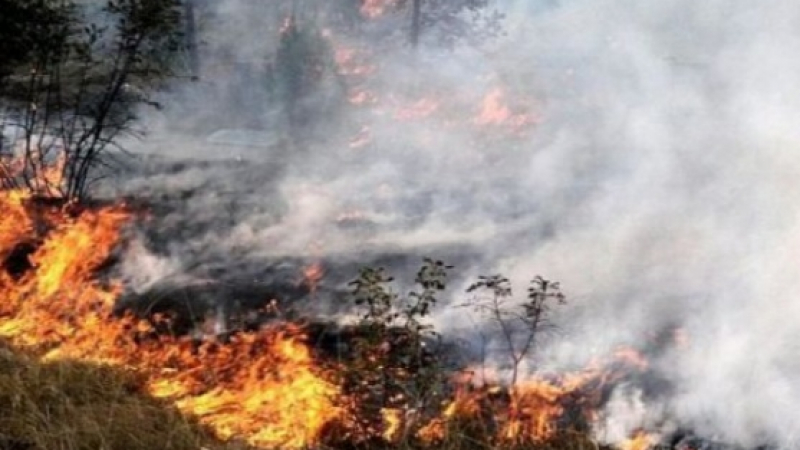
x: 72, y: 405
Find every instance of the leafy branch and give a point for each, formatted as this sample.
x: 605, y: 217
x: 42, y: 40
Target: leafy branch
x: 520, y: 327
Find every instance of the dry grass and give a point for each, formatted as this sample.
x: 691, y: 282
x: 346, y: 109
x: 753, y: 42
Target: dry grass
x: 70, y: 405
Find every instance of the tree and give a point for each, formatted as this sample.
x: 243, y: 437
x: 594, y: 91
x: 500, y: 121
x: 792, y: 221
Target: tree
x: 25, y: 27
x: 451, y: 21
x: 304, y: 78
x: 416, y: 19
x: 72, y: 85
x: 397, y: 358
x: 447, y: 22
x: 190, y: 14
x: 522, y: 327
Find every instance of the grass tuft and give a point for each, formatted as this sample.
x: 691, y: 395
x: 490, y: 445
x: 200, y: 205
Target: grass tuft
x: 71, y: 405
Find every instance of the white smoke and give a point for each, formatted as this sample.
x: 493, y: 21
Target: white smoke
x: 660, y: 188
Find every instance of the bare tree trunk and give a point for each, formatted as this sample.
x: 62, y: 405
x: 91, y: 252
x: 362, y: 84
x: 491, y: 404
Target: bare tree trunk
x: 416, y: 9
x: 191, y: 39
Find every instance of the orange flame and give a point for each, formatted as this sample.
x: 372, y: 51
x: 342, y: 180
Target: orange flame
x: 641, y: 440
x: 44, y: 177
x: 496, y: 112
x: 265, y: 387
x: 312, y: 274
x: 421, y: 108
x: 351, y: 61
x: 372, y: 9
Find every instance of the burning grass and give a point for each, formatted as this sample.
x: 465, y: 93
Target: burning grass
x: 109, y: 377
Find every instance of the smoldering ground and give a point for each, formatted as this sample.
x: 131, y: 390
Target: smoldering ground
x: 658, y: 187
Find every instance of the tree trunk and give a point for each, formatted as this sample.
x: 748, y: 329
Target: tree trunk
x: 416, y: 9
x: 191, y: 39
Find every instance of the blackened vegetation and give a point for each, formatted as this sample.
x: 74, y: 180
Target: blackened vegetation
x: 396, y: 358
x: 688, y: 439
x: 18, y: 262
x: 210, y: 309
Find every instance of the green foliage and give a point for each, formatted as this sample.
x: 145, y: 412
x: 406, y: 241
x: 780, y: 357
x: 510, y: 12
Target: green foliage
x: 399, y: 361
x: 523, y: 326
x: 396, y: 361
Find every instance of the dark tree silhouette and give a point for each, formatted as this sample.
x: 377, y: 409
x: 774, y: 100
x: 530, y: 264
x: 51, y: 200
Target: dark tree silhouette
x: 73, y: 77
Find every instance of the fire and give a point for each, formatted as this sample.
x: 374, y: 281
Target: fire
x: 15, y: 225
x: 641, y: 440
x: 362, y: 98
x: 421, y: 108
x: 34, y: 169
x: 352, y: 61
x: 496, y: 112
x: 360, y: 67
x: 276, y: 399
x: 312, y: 275
x: 393, y: 424
x: 531, y: 411
x: 265, y: 387
x: 262, y: 386
x: 372, y: 9
x: 632, y: 357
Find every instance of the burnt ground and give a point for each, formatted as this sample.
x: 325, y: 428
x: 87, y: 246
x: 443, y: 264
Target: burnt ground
x: 192, y: 211
x: 236, y: 302
x: 240, y: 303
x: 233, y: 289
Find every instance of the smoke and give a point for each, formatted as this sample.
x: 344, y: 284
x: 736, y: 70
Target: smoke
x: 659, y: 187
x: 680, y: 111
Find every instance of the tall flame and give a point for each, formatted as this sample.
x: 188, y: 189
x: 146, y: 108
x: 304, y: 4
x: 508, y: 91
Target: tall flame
x: 263, y: 386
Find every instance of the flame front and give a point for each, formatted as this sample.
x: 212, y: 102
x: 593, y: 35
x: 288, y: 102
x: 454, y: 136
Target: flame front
x: 262, y: 387
x: 267, y: 387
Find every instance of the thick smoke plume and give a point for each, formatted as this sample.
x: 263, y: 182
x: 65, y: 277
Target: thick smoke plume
x: 658, y: 185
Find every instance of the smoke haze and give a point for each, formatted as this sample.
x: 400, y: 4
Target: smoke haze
x: 658, y: 184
